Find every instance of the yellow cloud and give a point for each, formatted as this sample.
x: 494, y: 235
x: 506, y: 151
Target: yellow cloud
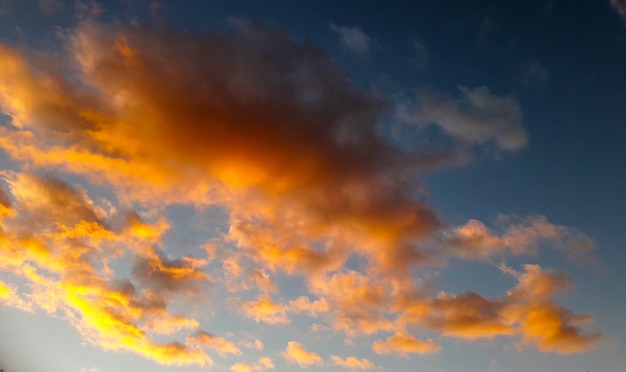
x: 295, y: 353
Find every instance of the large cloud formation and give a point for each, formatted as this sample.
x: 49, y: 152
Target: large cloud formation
x: 273, y: 132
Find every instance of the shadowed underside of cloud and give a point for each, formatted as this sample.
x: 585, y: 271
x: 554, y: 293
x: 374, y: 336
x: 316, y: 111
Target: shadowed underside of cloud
x: 272, y: 131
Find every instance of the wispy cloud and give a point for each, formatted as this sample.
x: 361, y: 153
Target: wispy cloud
x: 353, y: 38
x: 476, y: 116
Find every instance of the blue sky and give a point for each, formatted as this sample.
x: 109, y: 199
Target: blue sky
x: 277, y: 186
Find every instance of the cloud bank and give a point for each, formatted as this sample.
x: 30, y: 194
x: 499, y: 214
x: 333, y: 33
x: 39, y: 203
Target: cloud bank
x: 273, y: 133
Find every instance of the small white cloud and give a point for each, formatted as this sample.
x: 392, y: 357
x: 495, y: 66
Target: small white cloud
x: 353, y: 38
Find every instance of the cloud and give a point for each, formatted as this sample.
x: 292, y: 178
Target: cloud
x: 266, y: 310
x: 358, y: 302
x: 254, y: 343
x: 60, y: 243
x: 468, y: 316
x: 520, y: 236
x: 477, y: 116
x: 403, y: 343
x: 304, y: 304
x: 527, y: 310
x: 261, y: 365
x: 620, y: 7
x: 352, y: 363
x: 544, y: 323
x: 272, y: 133
x: 219, y: 344
x: 238, y: 140
x: 353, y: 38
x: 296, y: 354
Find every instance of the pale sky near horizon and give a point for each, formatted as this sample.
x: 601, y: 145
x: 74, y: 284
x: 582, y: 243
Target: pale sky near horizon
x: 312, y: 185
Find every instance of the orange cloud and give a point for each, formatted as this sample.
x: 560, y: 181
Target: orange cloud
x: 227, y: 145
x: 295, y: 353
x: 304, y: 304
x: 468, y: 316
x: 359, y: 302
x: 543, y: 323
x: 352, y: 363
x: 271, y: 131
x: 60, y: 242
x: 219, y: 344
x: 403, y: 343
x: 261, y: 365
x: 521, y: 236
x: 266, y: 310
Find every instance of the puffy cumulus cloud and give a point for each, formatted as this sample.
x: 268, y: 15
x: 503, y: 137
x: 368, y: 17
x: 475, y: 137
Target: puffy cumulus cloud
x: 352, y: 363
x: 353, y: 38
x: 359, y: 302
x: 304, y: 304
x: 265, y: 310
x: 403, y: 343
x: 543, y: 323
x: 60, y: 243
x: 295, y: 353
x: 519, y: 236
x: 526, y: 310
x: 261, y: 365
x: 476, y: 116
x: 219, y: 344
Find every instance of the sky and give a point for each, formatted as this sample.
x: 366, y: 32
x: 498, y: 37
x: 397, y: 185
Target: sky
x: 251, y: 186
